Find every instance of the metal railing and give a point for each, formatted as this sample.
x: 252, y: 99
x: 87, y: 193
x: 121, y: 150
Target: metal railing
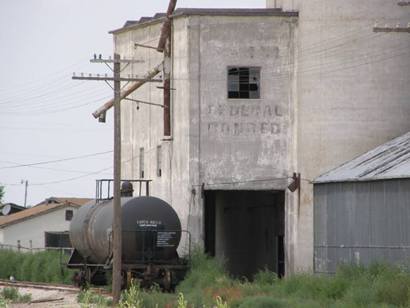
x: 104, y: 188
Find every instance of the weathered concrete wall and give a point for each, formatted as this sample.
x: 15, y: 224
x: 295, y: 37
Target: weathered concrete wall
x: 214, y: 140
x: 241, y: 139
x: 239, y: 143
x: 351, y: 89
x: 34, y: 229
x: 143, y: 127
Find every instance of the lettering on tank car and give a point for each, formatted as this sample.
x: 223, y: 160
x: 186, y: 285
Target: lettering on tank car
x: 148, y: 223
x: 166, y: 238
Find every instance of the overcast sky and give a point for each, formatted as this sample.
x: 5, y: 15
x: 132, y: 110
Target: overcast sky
x: 46, y: 116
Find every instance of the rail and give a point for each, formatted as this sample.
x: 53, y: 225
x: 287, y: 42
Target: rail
x: 104, y: 188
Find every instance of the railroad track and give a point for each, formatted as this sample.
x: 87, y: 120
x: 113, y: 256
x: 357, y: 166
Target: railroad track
x: 38, y: 285
x: 48, y: 286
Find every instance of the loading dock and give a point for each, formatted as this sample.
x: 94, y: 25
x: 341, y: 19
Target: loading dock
x: 246, y: 230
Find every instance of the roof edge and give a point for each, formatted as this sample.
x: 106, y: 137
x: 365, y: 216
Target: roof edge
x: 361, y: 180
x: 180, y: 12
x: 57, y: 207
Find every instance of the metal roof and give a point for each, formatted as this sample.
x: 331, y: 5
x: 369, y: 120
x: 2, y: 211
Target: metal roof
x: 130, y: 24
x: 388, y: 161
x: 46, y: 206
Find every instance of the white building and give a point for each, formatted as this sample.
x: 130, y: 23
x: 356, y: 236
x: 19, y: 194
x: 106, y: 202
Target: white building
x: 258, y: 95
x: 44, y: 225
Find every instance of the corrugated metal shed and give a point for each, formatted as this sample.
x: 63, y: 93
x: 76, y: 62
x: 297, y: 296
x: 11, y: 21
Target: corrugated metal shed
x: 362, y: 223
x: 388, y: 161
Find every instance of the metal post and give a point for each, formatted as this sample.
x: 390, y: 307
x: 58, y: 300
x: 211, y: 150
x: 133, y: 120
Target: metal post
x: 117, y: 228
x: 25, y: 193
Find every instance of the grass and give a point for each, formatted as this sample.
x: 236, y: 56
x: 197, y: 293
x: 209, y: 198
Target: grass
x: 87, y: 298
x: 12, y: 295
x: 208, y: 285
x: 36, y: 267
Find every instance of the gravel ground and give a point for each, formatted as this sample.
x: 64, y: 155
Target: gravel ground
x: 66, y: 299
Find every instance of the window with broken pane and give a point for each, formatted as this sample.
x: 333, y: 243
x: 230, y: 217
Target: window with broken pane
x: 244, y: 82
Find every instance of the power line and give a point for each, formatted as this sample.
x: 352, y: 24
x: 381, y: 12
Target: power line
x: 72, y: 179
x: 47, y: 110
x: 78, y: 177
x: 33, y: 84
x: 49, y: 100
x: 51, y: 169
x: 56, y: 161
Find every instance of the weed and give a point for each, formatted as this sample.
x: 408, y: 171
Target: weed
x: 266, y: 277
x: 13, y: 295
x: 132, y: 298
x: 182, y: 303
x: 3, y: 303
x: 260, y: 302
x: 87, y: 298
x: 220, y: 303
x: 37, y: 267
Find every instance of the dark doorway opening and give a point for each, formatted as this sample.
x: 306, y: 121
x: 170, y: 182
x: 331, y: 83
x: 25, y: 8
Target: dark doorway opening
x: 246, y: 229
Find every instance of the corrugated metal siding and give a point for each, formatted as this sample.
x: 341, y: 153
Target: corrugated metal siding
x: 361, y: 222
x: 388, y: 161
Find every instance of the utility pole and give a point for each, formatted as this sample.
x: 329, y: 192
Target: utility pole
x: 25, y: 182
x: 117, y: 218
x: 164, y: 45
x: 100, y: 113
x: 117, y: 213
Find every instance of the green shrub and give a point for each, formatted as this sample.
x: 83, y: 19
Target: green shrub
x: 13, y: 295
x: 88, y: 298
x: 156, y: 299
x: 392, y: 289
x: 37, y: 267
x: 182, y: 303
x: 131, y: 298
x: 265, y: 277
x: 261, y: 302
x: 205, y: 272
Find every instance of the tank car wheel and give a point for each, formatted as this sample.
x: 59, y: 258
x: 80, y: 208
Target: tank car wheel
x: 79, y: 279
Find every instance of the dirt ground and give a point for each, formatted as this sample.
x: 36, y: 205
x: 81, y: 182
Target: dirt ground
x: 48, y: 298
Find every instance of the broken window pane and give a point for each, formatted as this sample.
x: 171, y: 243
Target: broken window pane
x: 243, y: 82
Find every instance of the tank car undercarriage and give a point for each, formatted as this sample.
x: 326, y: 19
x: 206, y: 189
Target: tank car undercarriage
x: 147, y: 275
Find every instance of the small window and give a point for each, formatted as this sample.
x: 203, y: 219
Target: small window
x: 69, y: 215
x: 141, y: 163
x: 244, y: 82
x: 57, y: 239
x: 159, y: 161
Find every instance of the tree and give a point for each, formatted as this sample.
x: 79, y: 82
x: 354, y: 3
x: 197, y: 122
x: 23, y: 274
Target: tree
x: 1, y: 193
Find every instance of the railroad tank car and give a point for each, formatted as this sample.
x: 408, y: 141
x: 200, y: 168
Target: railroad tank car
x: 151, y: 233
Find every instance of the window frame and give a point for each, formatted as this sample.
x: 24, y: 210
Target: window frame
x: 59, y: 236
x: 67, y: 218
x: 259, y: 68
